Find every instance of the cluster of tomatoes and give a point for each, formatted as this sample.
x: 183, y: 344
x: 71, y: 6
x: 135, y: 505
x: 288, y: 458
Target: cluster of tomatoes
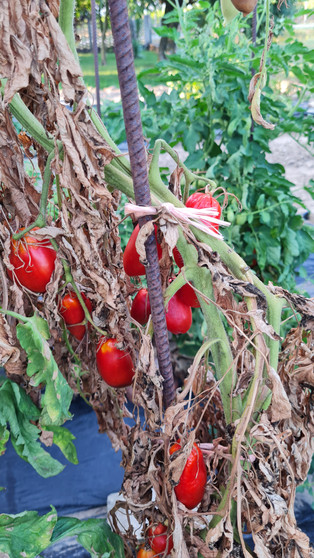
x: 178, y: 314
x: 190, y: 491
x: 33, y: 261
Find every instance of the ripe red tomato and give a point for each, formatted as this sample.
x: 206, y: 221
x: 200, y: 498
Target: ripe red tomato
x: 33, y: 261
x: 131, y: 260
x: 187, y: 295
x: 140, y: 309
x: 178, y: 316
x: 145, y: 553
x: 191, y: 487
x: 158, y: 538
x: 199, y: 200
x: 114, y: 365
x: 177, y: 257
x: 72, y: 312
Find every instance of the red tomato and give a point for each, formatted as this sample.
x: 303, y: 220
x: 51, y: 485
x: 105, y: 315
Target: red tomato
x: 73, y: 313
x: 158, y: 538
x: 177, y: 257
x: 191, y: 487
x: 145, y: 553
x: 187, y: 295
x: 33, y: 261
x: 114, y: 365
x: 178, y: 316
x: 140, y: 309
x: 199, y: 200
x: 131, y: 260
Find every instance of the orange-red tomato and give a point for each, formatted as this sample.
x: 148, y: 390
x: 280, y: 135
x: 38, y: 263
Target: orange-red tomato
x: 158, y: 538
x: 114, y: 365
x: 140, y: 309
x: 178, y: 316
x: 191, y: 487
x: 145, y: 553
x: 73, y: 314
x: 131, y: 260
x: 33, y: 261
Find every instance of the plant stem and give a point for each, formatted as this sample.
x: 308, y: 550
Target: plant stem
x: 14, y: 315
x: 41, y: 218
x: 66, y: 22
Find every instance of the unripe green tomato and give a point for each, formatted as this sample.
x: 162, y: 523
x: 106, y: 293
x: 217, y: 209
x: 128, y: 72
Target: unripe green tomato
x: 230, y: 215
x: 241, y: 219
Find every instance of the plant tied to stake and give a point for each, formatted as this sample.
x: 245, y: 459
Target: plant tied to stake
x: 245, y: 387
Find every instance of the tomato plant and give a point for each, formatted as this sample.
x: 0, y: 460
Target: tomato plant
x: 140, y: 309
x: 145, y: 553
x: 158, y: 538
x: 73, y: 314
x: 131, y: 259
x: 114, y: 365
x: 33, y: 261
x: 178, y: 316
x: 191, y: 487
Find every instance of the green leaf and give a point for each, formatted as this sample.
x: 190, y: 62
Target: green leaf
x: 62, y: 437
x: 17, y: 410
x: 94, y: 535
x: 26, y: 534
x: 43, y: 369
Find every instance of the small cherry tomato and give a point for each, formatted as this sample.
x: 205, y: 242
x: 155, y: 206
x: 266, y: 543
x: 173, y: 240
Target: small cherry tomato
x: 73, y: 314
x: 187, y: 295
x: 33, y: 261
x: 178, y: 316
x: 145, y: 553
x: 158, y: 538
x: 131, y: 260
x: 199, y: 200
x: 191, y: 487
x: 140, y: 309
x: 114, y: 365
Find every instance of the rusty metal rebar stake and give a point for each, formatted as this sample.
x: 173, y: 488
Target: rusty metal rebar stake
x: 134, y: 133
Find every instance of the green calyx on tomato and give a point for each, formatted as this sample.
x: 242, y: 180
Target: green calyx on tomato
x: 159, y: 539
x: 131, y: 259
x: 114, y: 365
x: 33, y: 261
x: 73, y: 314
x: 191, y: 487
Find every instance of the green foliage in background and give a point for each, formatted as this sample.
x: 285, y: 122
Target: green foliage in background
x: 206, y: 109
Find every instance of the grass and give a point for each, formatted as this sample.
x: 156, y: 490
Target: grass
x: 108, y: 75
